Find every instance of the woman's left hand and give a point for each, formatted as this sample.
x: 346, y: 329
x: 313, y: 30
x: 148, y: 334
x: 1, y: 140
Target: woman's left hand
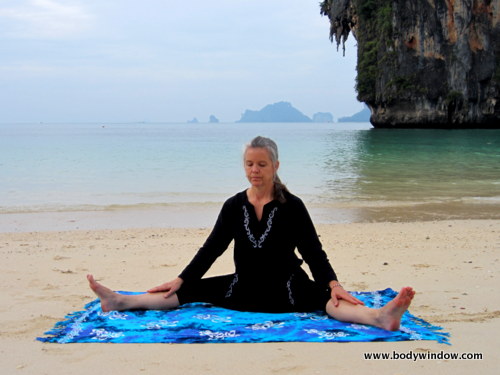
x: 339, y: 293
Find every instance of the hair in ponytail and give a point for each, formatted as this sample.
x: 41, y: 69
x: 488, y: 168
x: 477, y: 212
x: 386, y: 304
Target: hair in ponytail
x: 272, y: 148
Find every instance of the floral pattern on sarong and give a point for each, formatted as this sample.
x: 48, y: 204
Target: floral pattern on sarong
x: 205, y: 323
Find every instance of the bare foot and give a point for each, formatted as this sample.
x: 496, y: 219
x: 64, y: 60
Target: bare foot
x: 109, y: 299
x: 389, y: 317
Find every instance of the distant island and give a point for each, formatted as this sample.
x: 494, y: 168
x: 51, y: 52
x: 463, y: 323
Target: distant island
x: 277, y: 112
x: 322, y: 117
x: 361, y: 116
x: 213, y: 120
x: 286, y: 112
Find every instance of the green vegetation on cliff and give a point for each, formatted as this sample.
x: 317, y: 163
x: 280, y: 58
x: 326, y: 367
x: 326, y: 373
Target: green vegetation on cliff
x: 376, y: 30
x: 424, y: 63
x: 374, y: 27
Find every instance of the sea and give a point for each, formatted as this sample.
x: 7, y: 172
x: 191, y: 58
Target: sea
x: 179, y: 174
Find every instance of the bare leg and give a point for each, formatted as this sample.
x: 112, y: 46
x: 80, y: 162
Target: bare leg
x: 387, y: 317
x: 115, y: 301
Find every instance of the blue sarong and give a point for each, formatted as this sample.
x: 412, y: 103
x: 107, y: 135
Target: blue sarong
x: 205, y: 323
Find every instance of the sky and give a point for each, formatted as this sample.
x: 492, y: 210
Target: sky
x: 168, y: 61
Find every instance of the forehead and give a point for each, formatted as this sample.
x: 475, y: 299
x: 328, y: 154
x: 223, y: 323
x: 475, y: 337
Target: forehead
x: 257, y: 153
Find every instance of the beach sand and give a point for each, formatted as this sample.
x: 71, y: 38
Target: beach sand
x: 453, y: 265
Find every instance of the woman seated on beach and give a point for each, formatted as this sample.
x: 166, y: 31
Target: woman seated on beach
x: 267, y: 224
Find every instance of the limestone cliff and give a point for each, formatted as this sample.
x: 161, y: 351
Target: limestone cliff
x: 424, y: 63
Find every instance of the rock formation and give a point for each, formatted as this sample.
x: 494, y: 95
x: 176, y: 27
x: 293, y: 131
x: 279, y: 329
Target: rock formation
x: 361, y: 116
x: 213, y: 120
x: 322, y: 117
x: 424, y: 63
x: 277, y: 112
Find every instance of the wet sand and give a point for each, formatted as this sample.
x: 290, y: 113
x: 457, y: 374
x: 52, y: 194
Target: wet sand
x: 197, y: 215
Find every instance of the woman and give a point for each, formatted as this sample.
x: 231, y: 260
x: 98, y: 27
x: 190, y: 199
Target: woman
x: 267, y: 224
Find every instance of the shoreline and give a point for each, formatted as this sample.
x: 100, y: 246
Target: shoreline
x: 453, y: 265
x: 204, y: 215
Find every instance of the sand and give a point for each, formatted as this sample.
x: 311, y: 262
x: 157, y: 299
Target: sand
x: 453, y: 265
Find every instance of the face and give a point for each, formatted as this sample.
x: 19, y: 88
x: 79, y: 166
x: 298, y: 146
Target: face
x: 259, y: 167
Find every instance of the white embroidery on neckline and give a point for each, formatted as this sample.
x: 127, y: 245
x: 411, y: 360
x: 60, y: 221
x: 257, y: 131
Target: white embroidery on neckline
x: 258, y: 244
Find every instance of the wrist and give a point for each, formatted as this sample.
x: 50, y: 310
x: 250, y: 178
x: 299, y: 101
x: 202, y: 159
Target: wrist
x: 334, y: 284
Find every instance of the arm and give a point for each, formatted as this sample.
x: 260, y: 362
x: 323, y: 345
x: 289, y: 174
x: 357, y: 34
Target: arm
x: 216, y: 243
x: 311, y: 249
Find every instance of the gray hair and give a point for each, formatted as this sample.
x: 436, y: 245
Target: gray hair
x: 272, y: 148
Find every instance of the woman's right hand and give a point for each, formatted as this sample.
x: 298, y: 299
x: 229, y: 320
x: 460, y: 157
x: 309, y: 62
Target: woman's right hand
x: 169, y: 287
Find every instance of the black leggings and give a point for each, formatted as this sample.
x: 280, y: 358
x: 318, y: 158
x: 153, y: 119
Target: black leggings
x: 297, y: 293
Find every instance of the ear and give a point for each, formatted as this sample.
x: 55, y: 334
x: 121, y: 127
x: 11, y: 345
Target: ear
x: 277, y: 165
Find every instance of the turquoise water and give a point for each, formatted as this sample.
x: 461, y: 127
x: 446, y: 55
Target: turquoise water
x: 67, y: 167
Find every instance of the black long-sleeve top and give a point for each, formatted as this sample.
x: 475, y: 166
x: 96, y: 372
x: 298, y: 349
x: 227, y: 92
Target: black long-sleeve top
x: 264, y: 250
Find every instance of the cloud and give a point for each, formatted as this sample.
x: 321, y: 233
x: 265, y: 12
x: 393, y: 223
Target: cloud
x: 53, y: 19
x: 219, y: 56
